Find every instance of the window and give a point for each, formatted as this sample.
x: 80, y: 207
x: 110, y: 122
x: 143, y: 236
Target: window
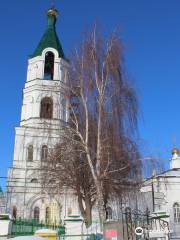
x: 176, y: 210
x: 49, y: 66
x: 30, y: 153
x: 63, y: 109
x: 36, y: 213
x: 14, y: 212
x: 44, y: 153
x: 48, y: 214
x: 108, y: 213
x: 46, y: 110
x: 34, y: 180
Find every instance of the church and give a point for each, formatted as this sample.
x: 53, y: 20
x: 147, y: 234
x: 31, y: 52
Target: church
x: 44, y: 111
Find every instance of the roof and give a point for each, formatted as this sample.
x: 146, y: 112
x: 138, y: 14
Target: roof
x: 171, y: 173
x: 49, y: 39
x: 175, y: 172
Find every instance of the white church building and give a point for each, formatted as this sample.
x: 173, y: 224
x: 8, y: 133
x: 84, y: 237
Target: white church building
x: 164, y: 195
x: 44, y: 110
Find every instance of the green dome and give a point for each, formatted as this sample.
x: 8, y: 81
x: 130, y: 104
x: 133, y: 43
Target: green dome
x: 49, y: 38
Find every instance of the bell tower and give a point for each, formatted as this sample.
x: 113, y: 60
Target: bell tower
x: 46, y: 74
x: 44, y: 111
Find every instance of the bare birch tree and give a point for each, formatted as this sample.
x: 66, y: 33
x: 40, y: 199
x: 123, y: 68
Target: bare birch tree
x: 98, y: 152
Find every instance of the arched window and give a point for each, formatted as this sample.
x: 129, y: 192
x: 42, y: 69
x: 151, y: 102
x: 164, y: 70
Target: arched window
x: 49, y: 66
x: 44, y: 153
x: 34, y: 180
x: 36, y: 213
x: 14, y: 212
x: 176, y: 210
x: 30, y: 153
x: 108, y: 213
x: 48, y: 214
x: 46, y: 108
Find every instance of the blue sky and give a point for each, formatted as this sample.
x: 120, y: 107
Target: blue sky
x: 150, y: 31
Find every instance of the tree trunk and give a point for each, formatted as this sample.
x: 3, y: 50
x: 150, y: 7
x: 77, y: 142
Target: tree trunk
x: 85, y: 209
x: 88, y: 210
x: 101, y: 204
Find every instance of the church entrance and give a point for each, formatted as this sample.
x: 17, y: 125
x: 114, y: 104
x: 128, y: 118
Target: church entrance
x: 44, y: 209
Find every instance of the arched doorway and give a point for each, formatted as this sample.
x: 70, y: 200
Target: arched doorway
x: 50, y: 209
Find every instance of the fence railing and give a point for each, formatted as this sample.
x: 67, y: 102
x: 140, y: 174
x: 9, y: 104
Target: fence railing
x: 27, y: 227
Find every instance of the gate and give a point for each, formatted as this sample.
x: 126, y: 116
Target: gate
x: 152, y: 226
x: 134, y: 219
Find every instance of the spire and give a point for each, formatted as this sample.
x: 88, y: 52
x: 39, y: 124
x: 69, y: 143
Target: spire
x: 50, y: 38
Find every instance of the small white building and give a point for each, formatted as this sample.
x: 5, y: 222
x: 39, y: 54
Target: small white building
x: 164, y: 192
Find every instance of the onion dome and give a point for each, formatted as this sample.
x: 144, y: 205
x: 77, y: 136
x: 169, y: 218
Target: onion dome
x: 52, y: 12
x: 175, y: 151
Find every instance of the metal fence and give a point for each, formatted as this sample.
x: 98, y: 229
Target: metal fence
x: 133, y: 219
x: 26, y: 227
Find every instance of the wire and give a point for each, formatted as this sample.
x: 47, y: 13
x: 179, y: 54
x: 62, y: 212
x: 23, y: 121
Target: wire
x: 30, y: 192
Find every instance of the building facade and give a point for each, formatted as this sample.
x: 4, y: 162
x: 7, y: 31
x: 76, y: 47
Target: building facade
x: 44, y: 111
x: 164, y: 194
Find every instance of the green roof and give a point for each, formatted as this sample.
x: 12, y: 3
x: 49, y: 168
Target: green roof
x: 49, y: 38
